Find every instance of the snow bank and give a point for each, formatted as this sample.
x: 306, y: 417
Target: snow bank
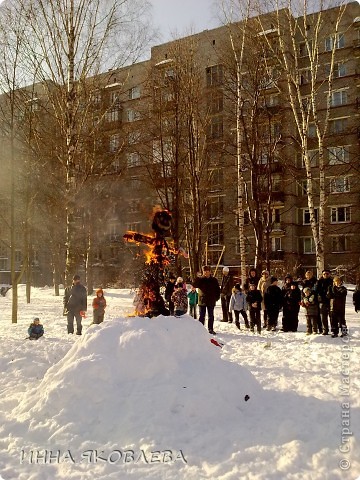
x: 163, y: 370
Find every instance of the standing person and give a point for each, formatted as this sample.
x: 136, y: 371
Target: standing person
x: 273, y: 302
x: 254, y: 300
x: 193, y: 300
x: 169, y: 289
x: 227, y: 283
x: 309, y: 302
x: 291, y: 307
x: 311, y: 282
x: 75, y: 304
x: 253, y: 278
x: 209, y: 294
x: 36, y: 330
x: 356, y: 298
x: 337, y: 295
x: 180, y: 300
x: 322, y: 289
x: 263, y: 285
x: 99, y: 305
x: 238, y: 305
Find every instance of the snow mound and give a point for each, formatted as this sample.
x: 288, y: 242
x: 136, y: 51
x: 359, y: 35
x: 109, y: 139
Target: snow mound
x: 154, y: 373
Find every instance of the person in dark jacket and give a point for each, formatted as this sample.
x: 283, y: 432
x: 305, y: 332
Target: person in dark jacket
x: 36, y: 330
x: 311, y: 282
x: 356, y: 298
x: 253, y: 278
x: 169, y: 290
x: 254, y: 300
x: 309, y: 302
x: 75, y: 305
x: 180, y: 300
x: 227, y: 283
x: 273, y: 303
x: 209, y: 294
x: 322, y: 288
x: 337, y: 294
x: 291, y: 307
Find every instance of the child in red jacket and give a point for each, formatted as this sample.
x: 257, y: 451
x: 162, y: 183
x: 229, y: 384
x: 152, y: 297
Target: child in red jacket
x: 99, y: 305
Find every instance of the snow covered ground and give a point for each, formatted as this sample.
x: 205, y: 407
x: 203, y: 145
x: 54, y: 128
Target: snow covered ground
x: 136, y: 398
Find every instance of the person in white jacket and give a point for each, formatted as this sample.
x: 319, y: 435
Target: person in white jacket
x: 238, y: 305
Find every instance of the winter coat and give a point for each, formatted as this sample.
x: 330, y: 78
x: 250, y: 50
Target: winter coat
x: 254, y: 296
x: 263, y: 285
x: 75, y: 298
x: 37, y: 330
x: 356, y: 299
x: 309, y: 302
x: 291, y: 299
x: 193, y: 298
x: 99, y: 303
x: 309, y: 282
x: 273, y: 298
x: 337, y: 296
x: 251, y: 280
x: 209, y: 292
x: 180, y: 300
x: 322, y: 288
x: 227, y: 283
x: 237, y: 301
x: 169, y: 290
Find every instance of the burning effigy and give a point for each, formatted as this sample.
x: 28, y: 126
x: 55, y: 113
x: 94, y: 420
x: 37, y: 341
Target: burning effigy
x: 148, y: 301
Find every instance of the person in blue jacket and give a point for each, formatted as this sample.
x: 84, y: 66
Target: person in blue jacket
x: 36, y: 330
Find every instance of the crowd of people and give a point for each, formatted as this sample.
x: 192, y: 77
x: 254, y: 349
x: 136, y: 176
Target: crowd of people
x: 259, y: 301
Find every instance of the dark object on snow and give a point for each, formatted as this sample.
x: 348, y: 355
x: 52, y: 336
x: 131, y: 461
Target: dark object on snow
x: 246, y: 398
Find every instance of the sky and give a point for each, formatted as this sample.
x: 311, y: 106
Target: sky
x: 181, y: 17
x: 143, y: 399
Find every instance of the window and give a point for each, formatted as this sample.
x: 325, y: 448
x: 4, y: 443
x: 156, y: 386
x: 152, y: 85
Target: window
x: 216, y: 179
x: 95, y: 97
x: 276, y: 244
x: 134, y: 93
x: 304, y: 76
x: 114, y: 98
x: 3, y: 251
x: 114, y: 143
x: 162, y: 151
x: 132, y: 115
x: 339, y: 185
x: 340, y: 243
x: 311, y: 130
x: 339, y: 70
x: 339, y: 98
x: 115, y: 166
x: 18, y: 256
x: 276, y: 216
x: 214, y: 75
x: 305, y: 48
x: 133, y: 159
x: 215, y: 104
x: 3, y: 264
x: 112, y: 115
x: 338, y: 125
x: 237, y: 246
x: 133, y: 226
x: 216, y: 234
x: 246, y: 218
x: 215, y: 129
x: 313, y: 156
x: 302, y: 187
x: 334, y: 41
x: 215, y: 207
x: 306, y: 216
x: 338, y: 155
x: 308, y: 245
x: 340, y: 214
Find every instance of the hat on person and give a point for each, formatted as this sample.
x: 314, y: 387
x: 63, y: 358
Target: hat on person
x: 179, y: 285
x: 265, y: 271
x: 237, y: 286
x: 326, y: 270
x: 36, y: 319
x: 226, y: 270
x: 206, y: 268
x: 273, y: 279
x: 76, y: 277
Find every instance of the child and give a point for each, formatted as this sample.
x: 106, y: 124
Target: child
x: 99, y: 305
x: 238, y: 305
x: 337, y: 294
x: 291, y: 307
x: 36, y: 330
x: 193, y: 300
x: 179, y: 297
x: 254, y: 299
x: 312, y: 310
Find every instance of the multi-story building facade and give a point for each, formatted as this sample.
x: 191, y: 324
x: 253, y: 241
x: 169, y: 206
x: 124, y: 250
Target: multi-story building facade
x: 178, y: 128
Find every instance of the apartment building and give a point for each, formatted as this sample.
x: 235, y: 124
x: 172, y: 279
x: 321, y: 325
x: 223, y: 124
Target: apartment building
x: 191, y: 112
